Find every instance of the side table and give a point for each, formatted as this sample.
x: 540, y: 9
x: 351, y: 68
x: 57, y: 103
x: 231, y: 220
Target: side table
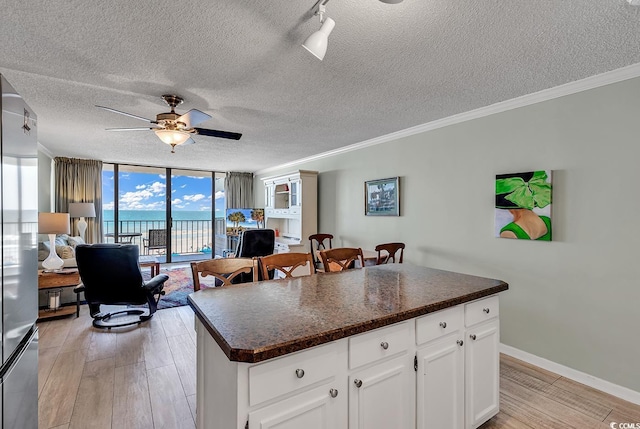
x: 53, y: 280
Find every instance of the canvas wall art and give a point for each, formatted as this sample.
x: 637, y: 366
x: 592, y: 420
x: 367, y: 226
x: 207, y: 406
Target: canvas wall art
x: 523, y: 205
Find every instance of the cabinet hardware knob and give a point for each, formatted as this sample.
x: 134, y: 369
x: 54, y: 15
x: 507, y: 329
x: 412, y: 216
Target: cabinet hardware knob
x: 472, y: 336
x: 299, y: 373
x: 358, y: 383
x: 443, y: 325
x: 460, y: 342
x: 384, y: 345
x: 486, y: 310
x: 333, y: 393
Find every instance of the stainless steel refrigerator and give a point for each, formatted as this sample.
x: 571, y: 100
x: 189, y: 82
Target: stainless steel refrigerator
x: 19, y: 275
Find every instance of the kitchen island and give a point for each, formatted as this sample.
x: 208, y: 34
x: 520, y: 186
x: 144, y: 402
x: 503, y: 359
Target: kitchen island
x: 344, y: 350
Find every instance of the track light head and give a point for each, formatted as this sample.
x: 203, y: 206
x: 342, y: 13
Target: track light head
x: 318, y: 42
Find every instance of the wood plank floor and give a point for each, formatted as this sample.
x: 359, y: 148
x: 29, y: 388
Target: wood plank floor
x: 144, y: 377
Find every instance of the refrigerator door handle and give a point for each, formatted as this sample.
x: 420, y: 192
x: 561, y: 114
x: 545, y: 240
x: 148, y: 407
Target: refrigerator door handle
x: 15, y: 357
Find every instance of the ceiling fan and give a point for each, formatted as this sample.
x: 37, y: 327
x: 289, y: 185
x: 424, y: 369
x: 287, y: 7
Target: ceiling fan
x: 174, y: 129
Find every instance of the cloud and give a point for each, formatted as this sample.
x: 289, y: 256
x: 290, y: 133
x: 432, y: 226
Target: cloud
x: 194, y: 198
x: 141, y: 186
x: 219, y: 194
x: 176, y: 201
x: 108, y: 206
x: 204, y: 208
x: 162, y: 176
x: 183, y: 186
x: 180, y: 206
x: 157, y: 187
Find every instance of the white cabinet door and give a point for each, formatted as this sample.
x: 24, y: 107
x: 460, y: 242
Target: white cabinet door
x: 295, y: 193
x: 269, y: 195
x: 482, y: 372
x: 383, y: 396
x: 440, y: 390
x: 321, y: 408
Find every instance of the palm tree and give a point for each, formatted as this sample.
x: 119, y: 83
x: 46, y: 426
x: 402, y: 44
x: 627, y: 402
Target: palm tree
x: 258, y: 216
x: 236, y: 218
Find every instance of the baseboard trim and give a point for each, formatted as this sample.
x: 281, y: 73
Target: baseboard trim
x: 575, y: 375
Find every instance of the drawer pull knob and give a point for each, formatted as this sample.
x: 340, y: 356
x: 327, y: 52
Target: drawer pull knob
x: 299, y: 373
x: 358, y: 383
x: 443, y: 325
x: 460, y: 343
x: 333, y: 393
x: 486, y: 310
x: 473, y: 337
x: 384, y: 345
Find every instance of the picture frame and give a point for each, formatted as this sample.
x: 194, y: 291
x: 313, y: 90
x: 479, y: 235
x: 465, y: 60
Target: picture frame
x: 382, y: 197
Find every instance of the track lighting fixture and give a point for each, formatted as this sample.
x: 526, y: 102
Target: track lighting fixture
x: 317, y: 43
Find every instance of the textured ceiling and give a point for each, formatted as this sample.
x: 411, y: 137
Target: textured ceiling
x: 388, y: 67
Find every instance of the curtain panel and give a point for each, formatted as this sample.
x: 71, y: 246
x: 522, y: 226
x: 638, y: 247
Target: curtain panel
x: 238, y: 190
x: 80, y: 181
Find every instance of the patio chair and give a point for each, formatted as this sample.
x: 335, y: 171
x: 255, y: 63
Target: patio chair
x: 157, y: 240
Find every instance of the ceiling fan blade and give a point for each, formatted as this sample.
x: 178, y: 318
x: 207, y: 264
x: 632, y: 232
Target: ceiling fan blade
x: 193, y: 117
x: 218, y: 133
x: 127, y: 114
x: 131, y: 129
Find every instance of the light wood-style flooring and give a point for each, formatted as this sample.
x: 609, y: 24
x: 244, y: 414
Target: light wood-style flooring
x: 145, y: 377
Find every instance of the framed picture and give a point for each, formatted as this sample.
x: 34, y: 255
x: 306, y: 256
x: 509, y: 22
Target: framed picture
x: 382, y: 197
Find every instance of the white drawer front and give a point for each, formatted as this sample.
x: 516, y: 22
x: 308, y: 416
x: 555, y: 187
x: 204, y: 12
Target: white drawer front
x: 284, y: 375
x: 438, y: 324
x: 479, y: 311
x: 378, y: 344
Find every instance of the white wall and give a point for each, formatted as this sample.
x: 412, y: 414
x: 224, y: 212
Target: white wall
x: 573, y: 301
x: 44, y: 182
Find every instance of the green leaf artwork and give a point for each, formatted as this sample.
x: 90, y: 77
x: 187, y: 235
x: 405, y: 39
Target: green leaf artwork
x: 527, y: 195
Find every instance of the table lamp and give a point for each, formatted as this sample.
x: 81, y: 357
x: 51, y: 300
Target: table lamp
x: 52, y: 224
x: 82, y: 210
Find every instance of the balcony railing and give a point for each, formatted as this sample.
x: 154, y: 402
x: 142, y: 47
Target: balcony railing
x: 188, y: 237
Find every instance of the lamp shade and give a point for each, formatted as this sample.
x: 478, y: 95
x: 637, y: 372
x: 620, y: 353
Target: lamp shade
x: 172, y: 137
x: 53, y: 223
x: 317, y: 43
x: 82, y: 210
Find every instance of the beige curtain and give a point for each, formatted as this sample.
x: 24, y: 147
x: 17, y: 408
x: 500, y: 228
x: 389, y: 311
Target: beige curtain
x: 238, y: 190
x: 80, y: 181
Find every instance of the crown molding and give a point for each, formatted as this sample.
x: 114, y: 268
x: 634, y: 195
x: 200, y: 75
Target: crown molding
x: 592, y: 82
x: 44, y: 150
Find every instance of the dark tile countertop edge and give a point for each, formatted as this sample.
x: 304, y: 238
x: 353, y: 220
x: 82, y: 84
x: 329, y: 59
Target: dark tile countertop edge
x: 265, y: 353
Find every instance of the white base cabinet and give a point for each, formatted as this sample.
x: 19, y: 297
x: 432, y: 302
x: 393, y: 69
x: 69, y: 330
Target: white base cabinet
x: 439, y: 371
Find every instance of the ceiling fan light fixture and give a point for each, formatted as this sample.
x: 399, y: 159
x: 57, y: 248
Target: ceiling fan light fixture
x: 391, y: 1
x: 172, y: 137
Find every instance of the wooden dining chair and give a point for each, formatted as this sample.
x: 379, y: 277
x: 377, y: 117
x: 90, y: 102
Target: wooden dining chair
x: 341, y: 258
x: 289, y: 264
x: 317, y: 243
x: 392, y: 250
x: 225, y: 271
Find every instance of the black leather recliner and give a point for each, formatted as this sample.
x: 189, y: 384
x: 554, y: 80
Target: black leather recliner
x: 110, y: 274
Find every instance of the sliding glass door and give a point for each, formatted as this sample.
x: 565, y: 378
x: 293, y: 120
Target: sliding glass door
x: 171, y: 214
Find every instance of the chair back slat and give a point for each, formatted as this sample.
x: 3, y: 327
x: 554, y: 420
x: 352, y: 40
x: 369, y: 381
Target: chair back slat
x: 227, y: 271
x: 317, y: 243
x: 392, y: 250
x: 286, y: 263
x: 341, y: 258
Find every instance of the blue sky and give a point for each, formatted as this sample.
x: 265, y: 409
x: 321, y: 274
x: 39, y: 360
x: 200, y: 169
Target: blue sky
x: 147, y: 191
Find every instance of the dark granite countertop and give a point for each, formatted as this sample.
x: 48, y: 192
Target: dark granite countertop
x: 253, y: 322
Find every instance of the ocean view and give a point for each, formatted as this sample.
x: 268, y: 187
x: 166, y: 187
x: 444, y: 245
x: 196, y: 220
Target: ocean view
x: 155, y: 215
